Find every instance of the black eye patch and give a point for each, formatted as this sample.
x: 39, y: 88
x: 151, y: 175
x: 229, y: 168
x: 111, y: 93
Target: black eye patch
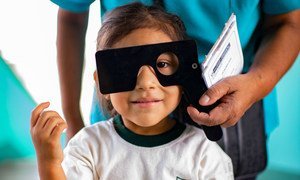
x: 174, y: 63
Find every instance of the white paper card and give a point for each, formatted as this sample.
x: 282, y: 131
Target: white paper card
x: 226, y: 57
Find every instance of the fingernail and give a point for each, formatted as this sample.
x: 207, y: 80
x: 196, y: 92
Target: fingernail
x: 188, y: 109
x: 204, y: 99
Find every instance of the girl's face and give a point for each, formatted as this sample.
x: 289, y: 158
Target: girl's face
x: 145, y: 109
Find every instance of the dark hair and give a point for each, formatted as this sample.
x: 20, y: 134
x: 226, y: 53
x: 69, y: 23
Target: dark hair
x: 124, y: 19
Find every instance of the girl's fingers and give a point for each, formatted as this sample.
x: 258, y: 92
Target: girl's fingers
x: 58, y: 130
x: 35, y: 114
x: 51, y: 124
x: 44, y: 117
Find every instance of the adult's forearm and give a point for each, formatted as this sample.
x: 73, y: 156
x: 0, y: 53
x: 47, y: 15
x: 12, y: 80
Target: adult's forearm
x: 70, y: 54
x: 277, y: 52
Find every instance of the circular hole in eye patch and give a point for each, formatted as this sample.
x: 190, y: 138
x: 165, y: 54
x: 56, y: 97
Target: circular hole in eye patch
x: 167, y: 63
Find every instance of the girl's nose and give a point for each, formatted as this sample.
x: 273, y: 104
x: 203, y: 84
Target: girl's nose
x: 146, y: 78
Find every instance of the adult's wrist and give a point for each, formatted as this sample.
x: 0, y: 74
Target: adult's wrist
x: 260, y: 84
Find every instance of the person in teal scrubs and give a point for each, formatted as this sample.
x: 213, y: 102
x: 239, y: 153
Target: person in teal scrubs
x: 269, y: 34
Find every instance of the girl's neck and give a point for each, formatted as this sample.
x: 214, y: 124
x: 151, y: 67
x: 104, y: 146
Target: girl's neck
x: 163, y: 126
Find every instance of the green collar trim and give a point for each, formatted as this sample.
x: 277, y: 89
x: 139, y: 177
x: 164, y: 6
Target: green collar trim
x: 147, y: 140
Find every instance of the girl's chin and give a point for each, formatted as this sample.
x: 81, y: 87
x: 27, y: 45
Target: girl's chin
x: 149, y: 126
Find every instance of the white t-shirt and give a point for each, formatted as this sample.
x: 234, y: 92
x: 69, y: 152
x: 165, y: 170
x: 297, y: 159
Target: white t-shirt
x: 100, y: 151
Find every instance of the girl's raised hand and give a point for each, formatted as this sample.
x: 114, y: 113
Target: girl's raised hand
x: 46, y: 129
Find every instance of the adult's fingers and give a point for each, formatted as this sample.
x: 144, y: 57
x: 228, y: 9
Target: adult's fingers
x: 201, y: 118
x: 214, y: 93
x: 35, y: 114
x: 223, y: 114
x: 229, y: 123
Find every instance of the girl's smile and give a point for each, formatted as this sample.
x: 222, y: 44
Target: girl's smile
x: 146, y: 102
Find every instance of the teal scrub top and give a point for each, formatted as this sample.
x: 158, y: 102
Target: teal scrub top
x: 204, y: 21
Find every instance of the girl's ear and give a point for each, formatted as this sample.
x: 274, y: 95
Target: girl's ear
x: 95, y: 76
x: 107, y: 96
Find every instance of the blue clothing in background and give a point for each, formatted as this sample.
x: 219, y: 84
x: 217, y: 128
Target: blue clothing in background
x: 96, y: 114
x: 204, y: 21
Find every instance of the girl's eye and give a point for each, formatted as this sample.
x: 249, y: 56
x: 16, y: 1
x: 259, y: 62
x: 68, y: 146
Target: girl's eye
x: 162, y: 64
x: 167, y: 63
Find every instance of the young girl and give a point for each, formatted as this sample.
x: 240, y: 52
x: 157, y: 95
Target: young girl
x: 142, y: 140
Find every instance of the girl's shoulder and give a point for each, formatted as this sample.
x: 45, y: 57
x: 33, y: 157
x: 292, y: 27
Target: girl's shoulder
x: 95, y: 131
x: 196, y: 137
x: 206, y: 151
x: 194, y: 132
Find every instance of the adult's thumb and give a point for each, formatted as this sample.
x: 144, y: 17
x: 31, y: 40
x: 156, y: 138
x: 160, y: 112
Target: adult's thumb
x: 214, y: 93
